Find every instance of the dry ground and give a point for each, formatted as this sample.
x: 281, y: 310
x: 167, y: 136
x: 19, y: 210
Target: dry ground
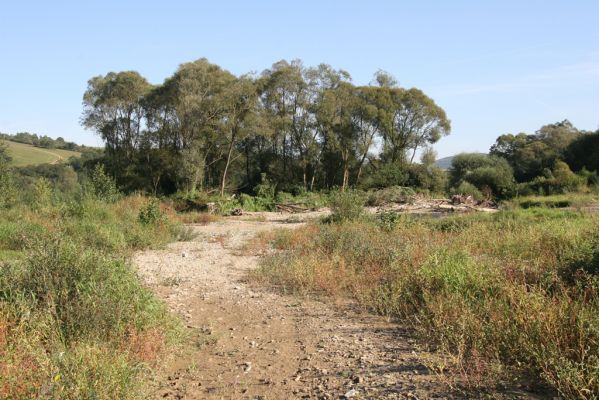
x: 252, y: 343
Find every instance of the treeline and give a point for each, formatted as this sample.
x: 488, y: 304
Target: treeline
x: 557, y: 158
x: 44, y: 141
x: 303, y: 128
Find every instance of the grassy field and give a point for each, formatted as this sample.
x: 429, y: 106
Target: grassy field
x: 24, y: 154
x: 508, y: 296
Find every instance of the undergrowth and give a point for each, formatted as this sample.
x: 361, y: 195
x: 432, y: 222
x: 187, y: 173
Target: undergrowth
x: 75, y: 321
x: 509, y: 295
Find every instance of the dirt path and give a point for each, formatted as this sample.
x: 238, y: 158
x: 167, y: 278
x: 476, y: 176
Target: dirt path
x: 255, y: 344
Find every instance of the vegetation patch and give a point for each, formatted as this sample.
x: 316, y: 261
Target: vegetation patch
x: 509, y: 295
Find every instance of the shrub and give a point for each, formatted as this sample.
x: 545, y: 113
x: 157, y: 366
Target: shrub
x: 393, y: 194
x: 101, y: 185
x: 347, y: 206
x: 486, y: 173
x: 151, y: 213
x: 467, y: 189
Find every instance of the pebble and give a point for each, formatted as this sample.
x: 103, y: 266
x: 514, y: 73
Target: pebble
x: 247, y: 367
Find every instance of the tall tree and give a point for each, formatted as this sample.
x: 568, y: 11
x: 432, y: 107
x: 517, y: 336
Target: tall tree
x: 409, y: 120
x: 239, y: 102
x: 112, y: 107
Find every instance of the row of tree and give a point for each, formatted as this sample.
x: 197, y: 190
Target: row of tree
x: 42, y: 141
x: 556, y: 158
x: 304, y: 127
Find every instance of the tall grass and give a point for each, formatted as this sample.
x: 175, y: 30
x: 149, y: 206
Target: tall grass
x: 75, y: 321
x: 514, y: 294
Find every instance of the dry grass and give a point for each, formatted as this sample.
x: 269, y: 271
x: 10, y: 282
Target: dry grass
x: 514, y: 294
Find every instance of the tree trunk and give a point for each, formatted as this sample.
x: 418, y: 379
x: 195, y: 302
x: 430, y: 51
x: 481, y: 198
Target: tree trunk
x: 345, y: 178
x: 413, y: 154
x: 224, y: 178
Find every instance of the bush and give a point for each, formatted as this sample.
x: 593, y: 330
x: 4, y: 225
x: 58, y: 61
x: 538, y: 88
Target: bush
x: 467, y: 189
x: 151, y: 213
x: 393, y: 194
x: 388, y: 174
x: 560, y: 180
x: 73, y: 314
x: 102, y: 186
x: 347, y: 206
x: 489, y: 174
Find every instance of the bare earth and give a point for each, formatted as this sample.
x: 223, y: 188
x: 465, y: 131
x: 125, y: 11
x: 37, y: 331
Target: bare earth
x: 251, y: 343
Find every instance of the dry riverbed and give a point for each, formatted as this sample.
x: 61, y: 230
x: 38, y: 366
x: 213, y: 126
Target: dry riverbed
x: 252, y: 343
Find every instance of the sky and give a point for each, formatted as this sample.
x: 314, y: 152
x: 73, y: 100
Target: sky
x: 495, y: 67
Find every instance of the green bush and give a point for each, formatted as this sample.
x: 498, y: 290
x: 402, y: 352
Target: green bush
x: 489, y: 174
x: 151, y: 213
x: 73, y: 314
x: 393, y: 194
x: 102, y: 186
x: 347, y: 206
x: 467, y: 189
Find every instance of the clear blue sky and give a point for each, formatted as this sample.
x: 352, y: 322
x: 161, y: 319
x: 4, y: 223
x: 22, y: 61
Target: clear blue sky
x: 494, y: 66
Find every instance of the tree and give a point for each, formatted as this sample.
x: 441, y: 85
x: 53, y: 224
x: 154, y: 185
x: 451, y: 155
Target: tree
x: 488, y: 173
x: 239, y: 102
x: 530, y: 155
x: 366, y: 122
x: 408, y: 120
x: 583, y: 152
x: 112, y: 107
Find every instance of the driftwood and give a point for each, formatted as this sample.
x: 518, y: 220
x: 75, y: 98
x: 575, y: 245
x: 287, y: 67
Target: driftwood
x: 291, y: 208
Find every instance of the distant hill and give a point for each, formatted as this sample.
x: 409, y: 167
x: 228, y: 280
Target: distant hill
x: 445, y: 162
x: 26, y: 154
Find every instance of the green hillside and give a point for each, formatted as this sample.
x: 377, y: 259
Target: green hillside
x: 25, y: 154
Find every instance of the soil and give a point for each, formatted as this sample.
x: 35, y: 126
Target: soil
x: 254, y: 343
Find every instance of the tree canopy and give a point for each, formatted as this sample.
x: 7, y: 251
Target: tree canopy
x: 304, y: 127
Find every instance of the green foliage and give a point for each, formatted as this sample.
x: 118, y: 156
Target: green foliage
x: 388, y: 174
x: 392, y: 194
x: 347, y: 206
x: 102, y: 186
x: 582, y: 152
x: 151, y: 213
x: 529, y: 155
x: 427, y: 178
x: 489, y: 174
x: 307, y: 127
x: 45, y: 142
x: 559, y: 180
x: 467, y: 189
x: 72, y: 312
x: 42, y: 193
x: 7, y: 186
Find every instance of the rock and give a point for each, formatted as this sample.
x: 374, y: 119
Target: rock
x: 184, y: 254
x: 350, y: 394
x: 247, y: 367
